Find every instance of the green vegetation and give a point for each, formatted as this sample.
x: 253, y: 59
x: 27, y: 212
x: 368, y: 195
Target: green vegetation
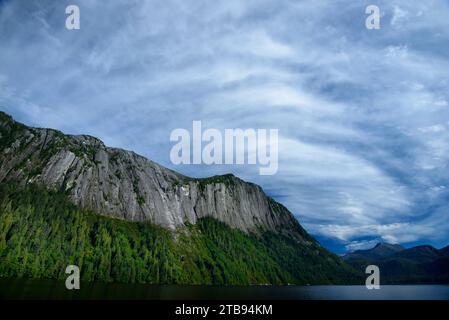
x: 41, y: 233
x: 227, y: 180
x: 9, y: 131
x: 140, y: 200
x: 115, y: 157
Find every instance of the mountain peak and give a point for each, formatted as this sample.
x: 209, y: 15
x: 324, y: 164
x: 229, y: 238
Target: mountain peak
x: 379, y: 251
x: 390, y: 246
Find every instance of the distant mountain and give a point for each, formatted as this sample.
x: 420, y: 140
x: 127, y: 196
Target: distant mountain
x: 421, y: 264
x: 120, y: 217
x: 380, y: 251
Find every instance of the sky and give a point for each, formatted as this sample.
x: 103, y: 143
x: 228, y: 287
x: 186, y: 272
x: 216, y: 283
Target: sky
x: 363, y: 115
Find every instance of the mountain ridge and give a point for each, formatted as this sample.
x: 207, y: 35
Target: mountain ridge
x: 380, y: 250
x: 419, y: 264
x: 122, y: 184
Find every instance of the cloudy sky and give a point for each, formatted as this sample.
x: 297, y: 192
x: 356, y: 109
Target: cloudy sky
x: 363, y: 115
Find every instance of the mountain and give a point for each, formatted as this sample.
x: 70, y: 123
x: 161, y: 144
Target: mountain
x: 398, y: 265
x: 381, y: 250
x: 122, y: 184
x: 120, y: 217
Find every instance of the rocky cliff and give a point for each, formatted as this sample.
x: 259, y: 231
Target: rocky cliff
x: 121, y: 184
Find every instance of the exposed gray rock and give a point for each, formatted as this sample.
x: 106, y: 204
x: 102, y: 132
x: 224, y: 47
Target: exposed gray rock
x: 122, y: 184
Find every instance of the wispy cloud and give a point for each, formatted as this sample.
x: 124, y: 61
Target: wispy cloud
x: 363, y: 114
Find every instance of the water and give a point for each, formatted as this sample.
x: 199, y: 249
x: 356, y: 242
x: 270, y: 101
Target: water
x: 50, y: 289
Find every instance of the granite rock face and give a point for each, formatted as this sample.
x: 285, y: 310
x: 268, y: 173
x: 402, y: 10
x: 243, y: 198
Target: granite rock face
x: 121, y: 184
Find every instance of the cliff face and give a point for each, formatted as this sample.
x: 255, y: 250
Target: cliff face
x: 121, y: 184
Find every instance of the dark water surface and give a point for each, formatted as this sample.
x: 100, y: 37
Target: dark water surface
x: 50, y: 289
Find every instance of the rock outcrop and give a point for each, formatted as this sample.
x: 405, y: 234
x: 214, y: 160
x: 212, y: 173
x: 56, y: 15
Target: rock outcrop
x: 121, y: 184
